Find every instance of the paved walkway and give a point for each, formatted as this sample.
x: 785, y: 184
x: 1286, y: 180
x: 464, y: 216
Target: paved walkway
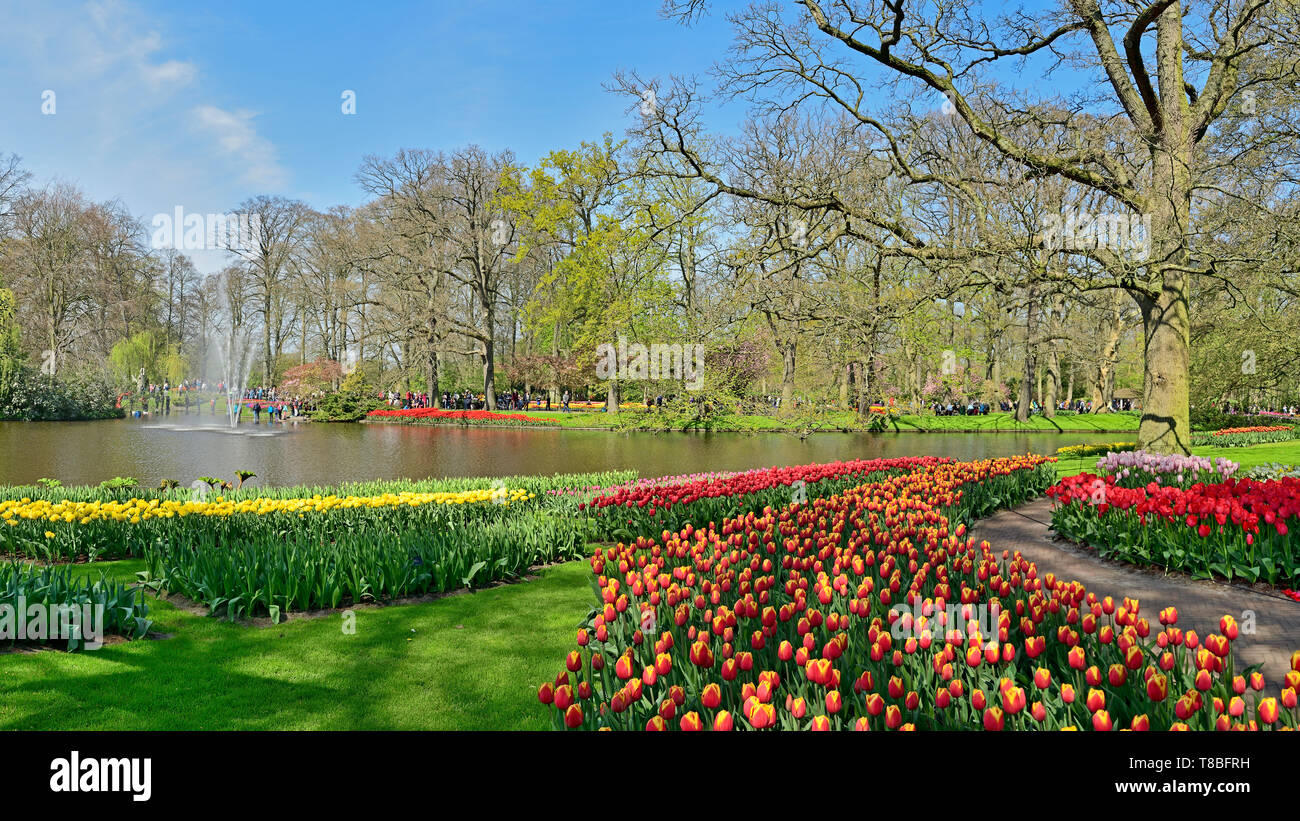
x: 1200, y: 603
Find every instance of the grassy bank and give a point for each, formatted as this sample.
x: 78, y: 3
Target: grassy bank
x: 465, y: 662
x: 849, y: 421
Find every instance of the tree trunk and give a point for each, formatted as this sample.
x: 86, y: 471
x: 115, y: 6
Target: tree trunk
x: 611, y: 400
x: 1027, y: 380
x: 1053, y: 387
x: 1166, y: 333
x: 787, y: 374
x: 489, y: 361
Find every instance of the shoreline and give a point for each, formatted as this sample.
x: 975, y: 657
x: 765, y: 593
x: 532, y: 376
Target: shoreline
x: 796, y: 431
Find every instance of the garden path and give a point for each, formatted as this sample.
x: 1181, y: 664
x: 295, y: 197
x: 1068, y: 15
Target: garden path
x: 1200, y: 604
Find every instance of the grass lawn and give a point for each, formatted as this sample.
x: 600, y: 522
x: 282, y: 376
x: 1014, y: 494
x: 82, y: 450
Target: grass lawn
x: 1063, y: 422
x: 473, y: 662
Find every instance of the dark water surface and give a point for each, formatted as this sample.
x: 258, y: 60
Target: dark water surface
x: 184, y: 448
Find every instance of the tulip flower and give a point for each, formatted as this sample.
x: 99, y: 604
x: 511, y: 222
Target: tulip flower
x: 1268, y: 711
x: 722, y: 721
x: 1096, y: 700
x: 1013, y: 700
x: 573, y: 716
x: 893, y: 717
x: 1157, y: 688
x: 1101, y: 721
x: 993, y: 719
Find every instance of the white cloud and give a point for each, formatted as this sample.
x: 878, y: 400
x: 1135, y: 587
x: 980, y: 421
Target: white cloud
x: 234, y: 136
x: 138, y: 118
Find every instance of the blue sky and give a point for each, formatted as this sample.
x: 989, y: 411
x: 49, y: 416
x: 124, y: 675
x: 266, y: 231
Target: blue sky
x: 203, y: 104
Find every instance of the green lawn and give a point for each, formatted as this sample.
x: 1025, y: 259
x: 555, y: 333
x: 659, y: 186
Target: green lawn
x: 466, y: 662
x: 1064, y: 422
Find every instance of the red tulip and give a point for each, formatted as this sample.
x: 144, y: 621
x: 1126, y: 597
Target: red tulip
x: 691, y: 722
x: 993, y: 719
x: 1101, y: 721
x: 1013, y: 700
x: 1157, y: 688
x: 573, y: 716
x: 701, y: 655
x: 1268, y: 710
x: 893, y: 717
x: 1076, y: 658
x: 1096, y: 700
x: 722, y: 721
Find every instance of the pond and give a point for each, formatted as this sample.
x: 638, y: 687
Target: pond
x: 184, y: 448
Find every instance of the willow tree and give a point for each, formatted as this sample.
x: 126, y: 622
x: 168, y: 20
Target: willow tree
x: 1162, y: 88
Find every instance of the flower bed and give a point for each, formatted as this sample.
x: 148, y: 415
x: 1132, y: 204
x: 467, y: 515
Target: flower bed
x: 648, y: 508
x: 1232, y: 529
x: 1139, y: 468
x: 52, y: 529
x: 464, y: 417
x: 300, y: 571
x: 874, y: 610
x: 73, y: 612
x: 1243, y: 437
x: 1097, y: 449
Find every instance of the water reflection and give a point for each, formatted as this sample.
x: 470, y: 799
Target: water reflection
x: 184, y: 448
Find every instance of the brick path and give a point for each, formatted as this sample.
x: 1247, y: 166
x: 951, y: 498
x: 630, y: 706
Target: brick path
x: 1200, y: 603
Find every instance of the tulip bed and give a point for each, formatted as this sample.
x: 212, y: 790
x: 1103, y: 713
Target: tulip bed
x: 464, y: 417
x: 273, y: 551
x: 1243, y: 437
x: 300, y: 571
x: 61, y: 529
x: 1139, y: 468
x: 1232, y: 529
x: 1096, y: 449
x: 648, y: 508
x: 861, y: 611
x: 113, y: 608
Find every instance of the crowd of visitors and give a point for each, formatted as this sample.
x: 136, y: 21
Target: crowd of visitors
x: 196, y: 396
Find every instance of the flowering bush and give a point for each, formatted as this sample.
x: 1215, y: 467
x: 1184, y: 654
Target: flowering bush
x: 873, y: 609
x: 1138, y: 468
x: 1236, y: 528
x: 1242, y: 437
x: 462, y: 416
